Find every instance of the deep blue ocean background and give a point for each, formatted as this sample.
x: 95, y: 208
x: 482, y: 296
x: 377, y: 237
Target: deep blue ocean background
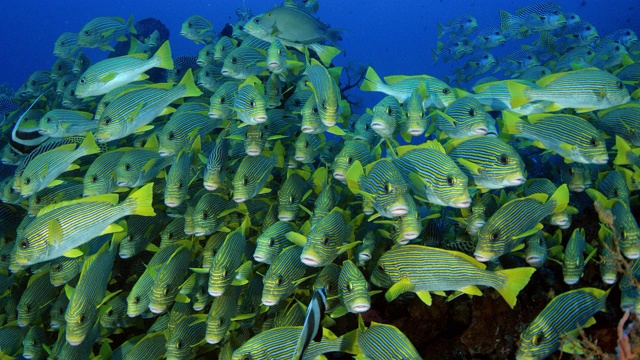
x: 394, y: 37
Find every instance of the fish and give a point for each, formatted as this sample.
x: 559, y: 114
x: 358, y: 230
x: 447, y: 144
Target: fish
x: 66, y: 45
x: 296, y: 25
x: 423, y: 269
x: 384, y: 341
x: 444, y: 185
x: 453, y: 49
x: 609, y: 55
x: 43, y: 169
x: 490, y: 162
x: 625, y: 227
x: 271, y: 241
x: 352, y: 151
x: 181, y: 65
x: 570, y: 136
x: 251, y: 176
x: 440, y: 95
x: 35, y: 298
x: 61, y: 68
x: 561, y: 219
x: 64, y: 269
x: 223, y: 47
x: 623, y: 121
x: 206, y: 55
x: 209, y: 78
x: 387, y: 114
x: 579, y: 33
x: 477, y: 65
x: 214, y: 173
x: 184, y: 340
x: 564, y: 314
x: 168, y: 278
x: 209, y: 212
x: 542, y: 16
x: 487, y: 38
x: 109, y: 74
x: 293, y: 191
x: 283, y: 275
x: 129, y: 113
x: 151, y: 346
x: 220, y: 316
x: 325, y: 90
x: 198, y: 29
x: 325, y: 240
x: 63, y: 123
x: 280, y: 60
x: 465, y: 118
x: 462, y: 25
x: 536, y: 251
x: 38, y: 82
x: 68, y: 190
x: 100, y: 177
x: 51, y: 235
x: 613, y: 184
x: 181, y: 131
x: 307, y: 147
x: 139, y: 166
x: 221, y: 102
x: 116, y: 315
x: 227, y: 260
x: 353, y: 288
x: 249, y: 104
x: 101, y: 31
x: 243, y: 62
x: 32, y: 345
x: 312, y: 328
x: 583, y: 90
x: 515, y: 220
x: 608, y: 262
x: 177, y: 181
x: 573, y: 258
x: 81, y: 64
x: 58, y: 308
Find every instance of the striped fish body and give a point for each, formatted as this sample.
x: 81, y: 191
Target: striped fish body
x: 577, y: 176
x: 138, y: 298
x: 271, y: 242
x: 366, y: 249
x: 82, y: 311
x: 222, y: 311
x: 273, y: 92
x: 363, y: 131
x: 209, y: 77
x: 37, y: 82
x: 324, y: 203
x: 387, y: 115
x: 325, y: 91
x: 47, y: 166
x: 573, y: 262
x: 111, y: 73
x: 310, y: 118
x: 243, y: 62
x: 351, y: 151
x: 570, y: 136
x: 199, y: 296
x: 66, y: 45
x: 409, y: 225
x: 423, y: 269
x: 496, y: 96
x: 249, y: 103
x: 180, y: 132
x: 623, y: 120
x: 584, y: 90
x: 183, y: 340
x: 290, y: 197
x: 135, y: 109
x: 141, y: 230
x: 32, y: 343
x: 614, y: 185
x: 490, y: 162
x: 100, y: 31
x: 512, y: 222
x: 139, y: 166
x: 251, y: 176
x: 167, y: 280
x: 63, y: 122
x: 353, y: 288
x: 328, y: 279
x: 173, y: 232
x: 464, y: 118
x: 221, y: 102
x: 198, y: 29
x: 214, y: 173
x: 280, y: 343
x: 565, y: 313
x: 64, y: 269
x: 250, y: 301
x: 64, y: 350
x: 208, y: 212
x: 36, y: 296
x: 68, y: 225
x: 382, y: 341
x: 324, y: 239
x: 280, y: 279
x: 440, y: 95
x: 57, y: 311
x: 386, y: 188
x: 416, y: 121
x: 211, y: 248
x: 63, y: 192
x: 542, y: 16
x: 223, y: 47
x: 177, y: 180
x: 307, y: 147
x: 151, y: 346
x: 224, y: 264
x: 626, y: 230
x: 81, y: 64
x: 116, y: 317
x: 442, y: 184
x: 609, y: 55
x: 608, y: 261
x: 206, y: 55
x: 536, y: 251
x: 255, y: 139
x: 114, y: 94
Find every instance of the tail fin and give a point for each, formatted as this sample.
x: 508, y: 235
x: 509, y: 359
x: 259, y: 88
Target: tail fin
x: 324, y: 52
x: 623, y: 151
x: 190, y: 85
x: 132, y: 29
x: 517, y: 279
x: 507, y: 20
x: 163, y: 57
x: 89, y: 144
x: 372, y: 81
x: 510, y: 123
x: 517, y: 92
x: 440, y: 30
x: 141, y: 200
x: 560, y: 198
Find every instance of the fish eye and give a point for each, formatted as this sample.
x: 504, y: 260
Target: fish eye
x: 127, y: 167
x: 446, y: 91
x: 543, y: 18
x: 381, y: 267
x: 486, y: 56
x: 620, y: 85
x: 349, y: 287
x: 180, y: 184
x: 37, y: 200
x: 131, y: 237
x: 291, y: 199
x: 472, y: 112
x: 388, y: 110
x: 306, y: 144
x: 349, y: 160
x: 252, y: 103
x: 617, y: 48
x: 136, y: 299
x: 256, y: 21
x: 388, y: 188
x: 279, y: 280
x: 314, y: 110
x: 367, y: 127
x: 271, y: 242
x: 204, y: 215
x: 495, y: 236
x: 234, y: 60
x: 504, y: 160
x: 166, y: 290
x: 189, y: 25
x: 171, y: 135
x: 94, y: 178
x: 221, y: 321
x: 537, y: 339
x: 110, y: 312
x: 325, y: 240
x: 297, y: 102
x: 245, y: 180
x: 72, y: 93
x: 624, y: 234
x: 179, y: 345
x: 107, y: 121
x: 221, y: 100
x: 27, y: 181
x: 47, y: 120
x: 86, y: 33
x: 588, y: 28
x: 206, y: 73
x: 593, y: 142
x: 83, y: 318
x: 450, y: 180
x: 62, y: 43
x: 469, y: 21
x: 82, y: 81
x: 628, y: 33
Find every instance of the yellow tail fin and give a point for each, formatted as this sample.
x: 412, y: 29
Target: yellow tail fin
x: 142, y: 200
x: 372, y: 80
x: 163, y: 56
x: 190, y: 86
x: 89, y: 144
x: 517, y: 279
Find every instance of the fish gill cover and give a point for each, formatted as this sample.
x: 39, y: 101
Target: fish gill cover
x: 192, y: 196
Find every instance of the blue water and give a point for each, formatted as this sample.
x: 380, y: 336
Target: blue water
x: 394, y: 37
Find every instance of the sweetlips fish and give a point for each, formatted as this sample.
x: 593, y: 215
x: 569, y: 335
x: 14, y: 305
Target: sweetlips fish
x: 573, y: 258
x: 464, y: 118
x: 63, y: 123
x: 101, y: 31
x: 198, y: 29
x: 462, y: 25
x: 542, y: 16
x: 383, y: 341
x: 66, y: 45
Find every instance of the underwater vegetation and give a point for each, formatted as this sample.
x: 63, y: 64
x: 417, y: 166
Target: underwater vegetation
x: 238, y: 204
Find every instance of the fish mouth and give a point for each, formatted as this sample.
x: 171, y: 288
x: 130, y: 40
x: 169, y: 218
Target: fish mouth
x: 577, y: 188
x: 124, y: 255
x: 462, y: 203
x: 269, y: 302
x: 101, y: 139
x: 603, y: 160
x: 399, y: 210
x: 67, y: 103
x: 22, y: 323
x: 217, y: 58
x: 171, y: 203
x: 307, y: 129
x: 165, y: 153
x: 214, y: 115
x: 239, y: 199
x: 480, y: 131
x: 20, y: 262
x: 309, y: 261
x: 378, y: 126
x: 260, y: 119
x: 631, y: 255
x: 410, y: 235
x: 182, y: 33
x: 533, y: 260
x: 571, y: 280
x: 273, y: 65
x: 210, y: 186
x: 122, y: 183
x: 285, y: 217
x: 516, y: 181
x: 216, y: 293
x: 360, y: 308
x: 300, y: 158
x: 54, y: 326
x: 156, y: 310
x: 610, y: 280
x: 415, y: 132
x: 199, y: 233
x: 27, y: 356
x: 74, y: 342
x: 198, y: 307
x: 213, y: 341
x: 253, y: 152
x: 226, y: 72
x: 258, y: 258
x: 200, y: 62
x: 482, y: 258
x: 338, y: 175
